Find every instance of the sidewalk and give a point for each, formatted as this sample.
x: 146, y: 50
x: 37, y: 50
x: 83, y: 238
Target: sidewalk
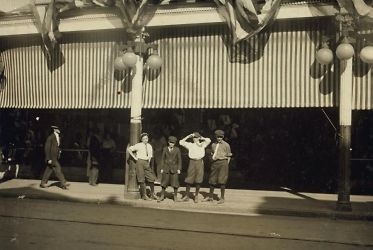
x: 238, y: 202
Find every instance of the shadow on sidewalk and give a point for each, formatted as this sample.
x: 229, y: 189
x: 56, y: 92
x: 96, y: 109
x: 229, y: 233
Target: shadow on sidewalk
x: 311, y: 207
x: 55, y: 193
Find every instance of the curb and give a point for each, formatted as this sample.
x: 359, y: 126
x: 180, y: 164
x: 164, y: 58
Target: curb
x: 334, y: 215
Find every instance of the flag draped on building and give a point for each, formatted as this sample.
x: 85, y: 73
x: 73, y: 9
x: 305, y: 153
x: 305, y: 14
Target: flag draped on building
x: 131, y: 14
x: 360, y: 6
x: 362, y: 12
x: 134, y: 15
x: 245, y: 18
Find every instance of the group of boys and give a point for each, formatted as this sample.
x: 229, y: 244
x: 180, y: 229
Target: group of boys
x: 171, y: 163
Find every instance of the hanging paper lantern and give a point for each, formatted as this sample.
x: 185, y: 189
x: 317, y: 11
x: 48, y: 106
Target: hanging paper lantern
x: 118, y: 64
x: 366, y: 54
x: 154, y: 61
x: 129, y: 59
x: 324, y: 56
x: 344, y: 51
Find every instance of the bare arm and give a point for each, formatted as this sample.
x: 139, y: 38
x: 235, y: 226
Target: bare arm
x: 131, y: 151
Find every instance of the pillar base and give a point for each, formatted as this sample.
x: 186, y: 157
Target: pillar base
x: 344, y: 206
x: 133, y: 194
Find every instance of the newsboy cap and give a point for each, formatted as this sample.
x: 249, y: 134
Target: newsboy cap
x: 172, y: 139
x: 219, y: 133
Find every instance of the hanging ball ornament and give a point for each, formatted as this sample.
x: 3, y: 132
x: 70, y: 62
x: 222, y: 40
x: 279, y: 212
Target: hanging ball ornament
x: 129, y: 59
x: 366, y: 54
x: 345, y: 51
x: 324, y: 56
x: 118, y: 64
x: 154, y: 62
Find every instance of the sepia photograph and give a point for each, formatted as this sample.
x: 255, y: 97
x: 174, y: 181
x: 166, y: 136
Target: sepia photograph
x: 186, y: 124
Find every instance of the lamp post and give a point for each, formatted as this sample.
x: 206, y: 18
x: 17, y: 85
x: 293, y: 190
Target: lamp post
x: 133, y: 59
x: 345, y: 53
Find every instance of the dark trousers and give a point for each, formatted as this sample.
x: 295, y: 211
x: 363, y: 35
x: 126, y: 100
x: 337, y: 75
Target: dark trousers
x: 56, y: 168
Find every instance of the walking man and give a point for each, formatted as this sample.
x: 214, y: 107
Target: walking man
x: 221, y: 155
x: 52, y: 154
x: 196, y: 152
x: 142, y: 153
x: 170, y: 167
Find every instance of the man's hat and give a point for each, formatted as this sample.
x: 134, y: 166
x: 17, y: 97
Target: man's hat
x: 196, y: 135
x: 219, y: 133
x: 56, y: 129
x: 172, y: 139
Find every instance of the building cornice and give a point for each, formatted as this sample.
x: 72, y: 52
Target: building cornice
x: 165, y: 15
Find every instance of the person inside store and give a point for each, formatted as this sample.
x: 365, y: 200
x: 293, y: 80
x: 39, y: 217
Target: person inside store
x: 94, y: 160
x: 8, y: 167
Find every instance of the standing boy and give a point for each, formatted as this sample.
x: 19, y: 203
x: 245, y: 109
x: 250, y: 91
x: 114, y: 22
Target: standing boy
x: 170, y: 167
x: 142, y: 153
x: 221, y: 155
x: 196, y: 152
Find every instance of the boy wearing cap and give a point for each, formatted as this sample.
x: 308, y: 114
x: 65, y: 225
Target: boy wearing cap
x: 221, y: 155
x: 170, y: 167
x: 142, y: 153
x: 196, y: 152
x: 52, y: 154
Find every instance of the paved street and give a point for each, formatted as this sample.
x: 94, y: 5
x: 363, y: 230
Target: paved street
x: 40, y: 224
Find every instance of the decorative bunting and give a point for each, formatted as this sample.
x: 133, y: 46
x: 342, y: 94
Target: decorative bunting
x: 243, y: 17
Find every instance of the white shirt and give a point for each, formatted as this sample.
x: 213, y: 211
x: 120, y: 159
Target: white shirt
x: 58, y: 138
x: 143, y: 151
x: 196, y: 151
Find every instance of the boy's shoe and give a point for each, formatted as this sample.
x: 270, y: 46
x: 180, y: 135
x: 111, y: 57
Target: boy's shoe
x: 185, y: 198
x: 221, y: 201
x: 146, y: 198
x: 196, y: 199
x: 176, y: 199
x: 161, y: 198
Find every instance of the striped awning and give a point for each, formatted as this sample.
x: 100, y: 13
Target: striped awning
x: 81, y: 75
x: 201, y: 70
x: 275, y: 69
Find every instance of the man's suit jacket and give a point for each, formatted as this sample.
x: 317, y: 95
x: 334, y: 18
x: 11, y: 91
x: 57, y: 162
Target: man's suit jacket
x: 171, y: 161
x: 51, y: 149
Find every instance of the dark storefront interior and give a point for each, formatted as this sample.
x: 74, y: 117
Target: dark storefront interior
x: 272, y: 148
